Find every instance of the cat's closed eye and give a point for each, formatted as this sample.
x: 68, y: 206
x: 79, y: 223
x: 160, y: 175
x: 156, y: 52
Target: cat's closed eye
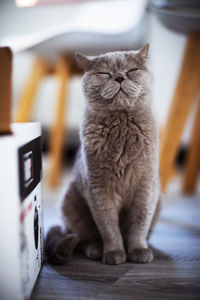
x: 133, y: 70
x: 131, y: 73
x: 103, y: 74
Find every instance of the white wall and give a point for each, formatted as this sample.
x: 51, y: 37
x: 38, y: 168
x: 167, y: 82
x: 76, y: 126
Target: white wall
x: 166, y: 55
x: 167, y: 50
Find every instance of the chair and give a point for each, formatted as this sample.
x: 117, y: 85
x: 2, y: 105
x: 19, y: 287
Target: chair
x: 182, y: 17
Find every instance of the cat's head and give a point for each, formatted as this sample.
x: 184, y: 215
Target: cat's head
x: 115, y: 80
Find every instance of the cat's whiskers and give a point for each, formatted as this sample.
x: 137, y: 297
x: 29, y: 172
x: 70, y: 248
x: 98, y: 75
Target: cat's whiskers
x: 110, y: 90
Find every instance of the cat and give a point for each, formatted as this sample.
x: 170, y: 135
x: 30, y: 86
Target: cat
x: 113, y: 199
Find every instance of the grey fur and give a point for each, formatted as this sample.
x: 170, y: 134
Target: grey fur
x: 113, y: 197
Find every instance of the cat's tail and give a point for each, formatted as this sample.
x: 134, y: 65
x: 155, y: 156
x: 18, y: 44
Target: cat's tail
x: 59, y: 246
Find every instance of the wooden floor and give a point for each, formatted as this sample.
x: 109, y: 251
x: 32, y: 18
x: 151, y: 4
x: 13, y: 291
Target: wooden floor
x: 174, y: 273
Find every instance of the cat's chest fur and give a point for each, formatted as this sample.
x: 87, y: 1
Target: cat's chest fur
x: 118, y: 138
x: 117, y: 150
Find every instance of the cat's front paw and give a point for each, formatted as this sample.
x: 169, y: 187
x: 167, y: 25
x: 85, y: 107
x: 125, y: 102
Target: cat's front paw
x: 140, y: 255
x: 114, y: 257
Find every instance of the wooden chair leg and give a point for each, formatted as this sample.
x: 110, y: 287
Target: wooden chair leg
x: 5, y: 89
x: 193, y: 158
x: 57, y: 132
x: 26, y: 101
x: 187, y: 86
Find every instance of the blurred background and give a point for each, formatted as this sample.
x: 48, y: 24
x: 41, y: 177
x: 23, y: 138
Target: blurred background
x: 166, y: 48
x: 42, y: 33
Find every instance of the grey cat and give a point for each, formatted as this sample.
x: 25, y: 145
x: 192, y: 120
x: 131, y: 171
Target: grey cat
x: 113, y: 200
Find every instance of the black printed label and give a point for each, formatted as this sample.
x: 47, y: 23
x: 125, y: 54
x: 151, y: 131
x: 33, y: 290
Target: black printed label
x: 30, y: 167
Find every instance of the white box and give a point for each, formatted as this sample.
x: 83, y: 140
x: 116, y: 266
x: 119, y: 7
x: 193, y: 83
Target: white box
x: 21, y: 234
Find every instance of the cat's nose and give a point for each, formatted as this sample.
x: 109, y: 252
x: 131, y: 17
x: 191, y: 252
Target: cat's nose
x: 119, y: 79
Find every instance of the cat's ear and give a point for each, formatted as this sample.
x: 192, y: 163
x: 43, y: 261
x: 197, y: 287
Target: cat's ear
x: 143, y: 53
x: 83, y: 61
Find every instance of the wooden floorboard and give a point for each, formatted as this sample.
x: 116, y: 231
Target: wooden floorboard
x: 174, y: 273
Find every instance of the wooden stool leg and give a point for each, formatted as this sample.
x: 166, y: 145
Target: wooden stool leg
x: 187, y: 85
x: 5, y: 89
x: 193, y: 158
x: 57, y: 132
x: 26, y: 101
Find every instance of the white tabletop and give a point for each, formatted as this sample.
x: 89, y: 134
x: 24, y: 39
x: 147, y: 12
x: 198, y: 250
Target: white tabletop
x: 95, y: 17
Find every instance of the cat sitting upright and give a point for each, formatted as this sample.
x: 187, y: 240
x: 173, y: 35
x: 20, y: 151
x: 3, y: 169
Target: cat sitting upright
x: 113, y: 199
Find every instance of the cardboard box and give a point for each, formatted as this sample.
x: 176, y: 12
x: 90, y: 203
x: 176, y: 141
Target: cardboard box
x: 21, y: 233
